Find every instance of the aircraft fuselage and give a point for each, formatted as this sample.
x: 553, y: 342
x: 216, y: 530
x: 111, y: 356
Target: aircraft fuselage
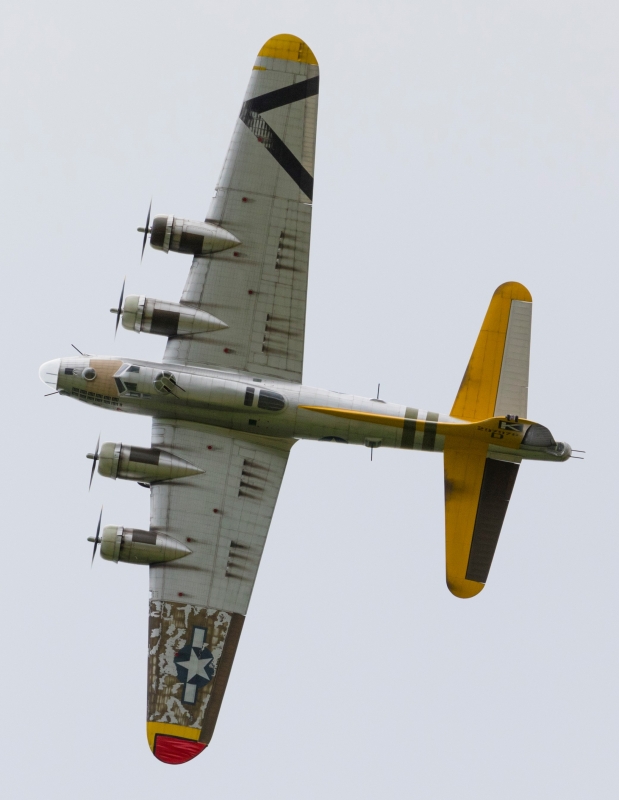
x: 255, y: 404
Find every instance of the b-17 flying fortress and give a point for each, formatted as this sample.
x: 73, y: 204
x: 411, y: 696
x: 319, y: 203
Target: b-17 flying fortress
x: 227, y: 403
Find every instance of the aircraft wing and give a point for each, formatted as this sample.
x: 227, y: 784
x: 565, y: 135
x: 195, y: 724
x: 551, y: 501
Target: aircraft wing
x: 198, y: 603
x: 264, y: 197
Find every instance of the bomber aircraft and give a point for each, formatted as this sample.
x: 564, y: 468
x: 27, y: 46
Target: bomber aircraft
x: 228, y: 403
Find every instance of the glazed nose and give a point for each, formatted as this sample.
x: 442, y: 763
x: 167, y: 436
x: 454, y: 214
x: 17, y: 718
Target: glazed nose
x: 48, y: 372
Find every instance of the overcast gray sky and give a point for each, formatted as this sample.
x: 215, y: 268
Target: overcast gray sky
x: 460, y: 145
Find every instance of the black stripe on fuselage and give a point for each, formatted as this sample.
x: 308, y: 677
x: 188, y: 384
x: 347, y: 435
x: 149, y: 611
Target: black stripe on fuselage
x: 496, y: 490
x: 410, y: 428
x: 429, y: 432
x: 250, y: 114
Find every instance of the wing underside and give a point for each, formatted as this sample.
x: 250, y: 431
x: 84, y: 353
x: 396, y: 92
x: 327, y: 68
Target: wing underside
x: 198, y: 603
x: 264, y: 198
x: 259, y: 289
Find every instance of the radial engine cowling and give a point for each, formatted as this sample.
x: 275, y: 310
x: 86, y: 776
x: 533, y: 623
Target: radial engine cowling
x: 139, y: 547
x: 186, y: 236
x: 145, y: 314
x: 147, y: 465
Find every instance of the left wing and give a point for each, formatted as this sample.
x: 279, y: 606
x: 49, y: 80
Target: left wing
x: 198, y: 603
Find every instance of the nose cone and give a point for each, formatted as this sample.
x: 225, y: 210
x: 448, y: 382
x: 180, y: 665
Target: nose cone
x: 48, y: 372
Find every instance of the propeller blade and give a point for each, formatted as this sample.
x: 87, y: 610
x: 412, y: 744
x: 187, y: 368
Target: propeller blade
x: 97, y: 538
x: 146, y: 229
x: 95, y: 458
x: 119, y: 310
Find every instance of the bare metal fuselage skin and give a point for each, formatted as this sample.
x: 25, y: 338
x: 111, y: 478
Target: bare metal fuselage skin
x: 253, y: 404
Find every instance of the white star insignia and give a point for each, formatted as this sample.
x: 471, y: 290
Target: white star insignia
x: 195, y: 666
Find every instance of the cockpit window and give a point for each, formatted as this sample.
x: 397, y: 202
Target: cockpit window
x: 271, y: 401
x: 122, y: 385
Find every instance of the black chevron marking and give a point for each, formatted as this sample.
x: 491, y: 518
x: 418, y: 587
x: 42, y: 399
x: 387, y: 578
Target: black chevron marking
x: 250, y: 114
x: 283, y: 97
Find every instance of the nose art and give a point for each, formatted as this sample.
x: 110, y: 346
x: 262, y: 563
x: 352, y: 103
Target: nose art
x: 48, y: 372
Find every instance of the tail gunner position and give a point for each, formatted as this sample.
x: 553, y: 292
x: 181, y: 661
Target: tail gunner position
x: 228, y: 403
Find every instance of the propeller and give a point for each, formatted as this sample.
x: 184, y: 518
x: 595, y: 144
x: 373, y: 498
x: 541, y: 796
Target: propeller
x: 118, y: 311
x: 146, y: 230
x: 95, y: 458
x: 97, y: 539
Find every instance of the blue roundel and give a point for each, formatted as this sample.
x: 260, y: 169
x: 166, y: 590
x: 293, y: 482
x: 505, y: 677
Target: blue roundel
x: 194, y: 662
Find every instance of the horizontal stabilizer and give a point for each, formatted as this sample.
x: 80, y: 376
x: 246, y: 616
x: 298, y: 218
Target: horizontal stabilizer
x: 477, y: 493
x: 497, y: 377
x: 478, y: 488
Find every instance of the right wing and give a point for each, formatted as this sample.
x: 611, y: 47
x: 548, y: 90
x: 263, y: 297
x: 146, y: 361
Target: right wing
x: 264, y: 197
x: 198, y: 603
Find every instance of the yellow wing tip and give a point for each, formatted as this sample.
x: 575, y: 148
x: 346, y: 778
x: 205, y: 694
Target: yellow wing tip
x: 288, y: 47
x: 463, y: 588
x: 515, y: 291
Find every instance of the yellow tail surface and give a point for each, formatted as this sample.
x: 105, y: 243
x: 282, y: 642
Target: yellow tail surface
x: 487, y: 369
x: 478, y: 488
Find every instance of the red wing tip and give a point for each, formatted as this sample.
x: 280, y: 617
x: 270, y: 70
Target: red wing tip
x: 175, y: 750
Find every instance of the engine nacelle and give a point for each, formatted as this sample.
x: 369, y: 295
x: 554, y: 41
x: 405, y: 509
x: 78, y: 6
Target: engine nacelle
x: 139, y: 547
x: 146, y: 465
x: 145, y: 314
x: 186, y: 236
